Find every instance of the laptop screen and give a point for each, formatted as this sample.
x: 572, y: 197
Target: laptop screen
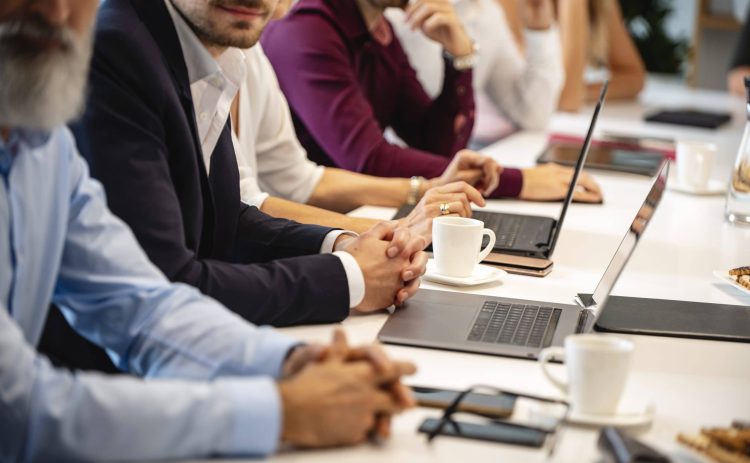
x: 579, y: 167
x: 632, y: 236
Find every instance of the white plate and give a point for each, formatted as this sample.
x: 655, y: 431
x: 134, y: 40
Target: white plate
x: 482, y: 274
x: 622, y: 419
x: 714, y: 187
x: 727, y: 278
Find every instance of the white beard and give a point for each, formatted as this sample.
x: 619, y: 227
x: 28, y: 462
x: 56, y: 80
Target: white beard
x: 43, y: 90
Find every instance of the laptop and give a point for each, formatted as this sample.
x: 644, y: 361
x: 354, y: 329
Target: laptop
x: 529, y: 235
x: 512, y: 327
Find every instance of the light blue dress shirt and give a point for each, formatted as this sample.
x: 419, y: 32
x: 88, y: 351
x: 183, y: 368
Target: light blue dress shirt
x: 208, y: 386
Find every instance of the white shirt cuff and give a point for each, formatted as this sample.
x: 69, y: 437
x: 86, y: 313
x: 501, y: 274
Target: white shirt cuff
x: 330, y: 240
x: 257, y: 200
x: 354, y: 277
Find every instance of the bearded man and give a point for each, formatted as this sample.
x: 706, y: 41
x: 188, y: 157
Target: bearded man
x: 217, y: 384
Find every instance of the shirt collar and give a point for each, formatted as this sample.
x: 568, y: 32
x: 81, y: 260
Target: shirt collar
x: 32, y: 138
x: 199, y: 62
x: 18, y: 138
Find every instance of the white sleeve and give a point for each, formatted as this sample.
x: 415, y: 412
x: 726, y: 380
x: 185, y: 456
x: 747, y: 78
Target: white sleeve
x: 526, y: 89
x: 354, y: 276
x: 283, y: 167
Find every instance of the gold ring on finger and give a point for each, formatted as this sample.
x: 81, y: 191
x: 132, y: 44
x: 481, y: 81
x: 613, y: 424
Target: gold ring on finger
x: 445, y: 208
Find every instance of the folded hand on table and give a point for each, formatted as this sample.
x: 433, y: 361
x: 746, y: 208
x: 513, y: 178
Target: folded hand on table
x: 392, y: 259
x: 341, y: 395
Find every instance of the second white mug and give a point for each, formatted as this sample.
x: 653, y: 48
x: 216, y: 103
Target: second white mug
x: 597, y: 368
x: 694, y: 163
x: 456, y: 245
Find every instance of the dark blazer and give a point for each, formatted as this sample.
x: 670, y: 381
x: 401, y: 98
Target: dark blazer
x: 140, y: 138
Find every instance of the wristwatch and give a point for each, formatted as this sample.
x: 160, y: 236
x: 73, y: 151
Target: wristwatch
x: 466, y: 62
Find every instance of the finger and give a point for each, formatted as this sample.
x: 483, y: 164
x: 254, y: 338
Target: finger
x: 382, y: 426
x: 409, y: 10
x: 383, y: 230
x: 366, y: 372
x: 461, y: 187
x: 465, y: 207
x: 418, y: 15
x: 456, y: 208
x: 588, y: 182
x: 436, y: 21
x: 416, y: 244
x: 383, y: 403
x: 430, y: 17
x: 400, y: 241
x: 491, y: 177
x: 407, y: 291
x: 403, y: 394
x: 416, y: 267
x: 458, y: 204
x: 584, y: 196
x: 339, y: 346
x: 375, y: 355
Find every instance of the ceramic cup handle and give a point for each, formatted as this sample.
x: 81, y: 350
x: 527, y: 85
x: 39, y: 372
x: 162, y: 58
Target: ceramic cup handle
x: 490, y: 246
x: 544, y: 357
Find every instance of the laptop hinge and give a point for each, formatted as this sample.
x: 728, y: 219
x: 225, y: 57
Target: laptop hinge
x: 585, y: 321
x: 585, y: 300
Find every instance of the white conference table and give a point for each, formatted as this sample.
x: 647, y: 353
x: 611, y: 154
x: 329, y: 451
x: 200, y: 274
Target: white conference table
x: 693, y: 383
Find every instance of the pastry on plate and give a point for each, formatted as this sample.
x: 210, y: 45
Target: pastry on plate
x: 722, y: 445
x: 740, y: 271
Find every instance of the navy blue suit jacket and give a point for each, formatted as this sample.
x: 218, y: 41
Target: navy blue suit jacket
x: 140, y: 138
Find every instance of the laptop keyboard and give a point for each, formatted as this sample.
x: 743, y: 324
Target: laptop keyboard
x: 515, y: 324
x: 505, y: 227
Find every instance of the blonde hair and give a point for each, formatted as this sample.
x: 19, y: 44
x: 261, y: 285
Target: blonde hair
x: 599, y: 11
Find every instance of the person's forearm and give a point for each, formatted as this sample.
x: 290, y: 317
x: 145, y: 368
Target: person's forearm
x: 304, y: 213
x: 343, y: 191
x: 574, y: 34
x: 622, y: 85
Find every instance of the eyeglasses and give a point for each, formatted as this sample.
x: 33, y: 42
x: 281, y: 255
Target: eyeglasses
x: 539, y: 416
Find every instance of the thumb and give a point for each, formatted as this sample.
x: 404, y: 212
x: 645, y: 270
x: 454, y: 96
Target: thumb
x: 383, y: 230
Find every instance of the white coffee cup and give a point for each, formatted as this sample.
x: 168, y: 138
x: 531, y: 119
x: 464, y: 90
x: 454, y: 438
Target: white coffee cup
x: 597, y: 367
x: 694, y: 163
x: 456, y: 244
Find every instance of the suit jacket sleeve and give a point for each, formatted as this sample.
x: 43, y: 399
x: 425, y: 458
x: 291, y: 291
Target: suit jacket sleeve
x: 123, y: 135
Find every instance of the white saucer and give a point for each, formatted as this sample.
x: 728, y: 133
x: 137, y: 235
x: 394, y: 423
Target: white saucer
x: 714, y: 187
x: 624, y: 418
x: 482, y: 274
x: 727, y: 278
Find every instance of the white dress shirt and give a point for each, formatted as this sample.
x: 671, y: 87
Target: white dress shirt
x: 524, y: 89
x: 267, y: 145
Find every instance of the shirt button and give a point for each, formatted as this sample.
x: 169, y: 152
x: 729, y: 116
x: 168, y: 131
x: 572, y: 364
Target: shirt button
x: 204, y: 116
x: 460, y: 90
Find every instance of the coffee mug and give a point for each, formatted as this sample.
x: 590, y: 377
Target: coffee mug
x: 597, y: 370
x: 694, y: 163
x: 456, y: 244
